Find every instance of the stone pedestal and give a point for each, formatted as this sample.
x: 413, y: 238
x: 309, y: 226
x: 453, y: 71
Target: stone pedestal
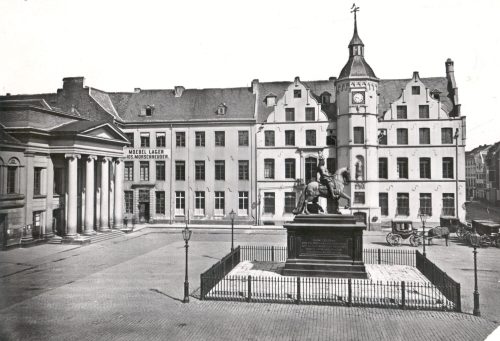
x: 329, y: 245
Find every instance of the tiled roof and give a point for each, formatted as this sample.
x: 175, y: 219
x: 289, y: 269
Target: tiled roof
x: 390, y: 91
x: 193, y: 104
x: 357, y: 66
x: 102, y: 98
x: 5, y: 138
x: 278, y: 89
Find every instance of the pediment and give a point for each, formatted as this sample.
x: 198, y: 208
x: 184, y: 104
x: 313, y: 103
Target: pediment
x: 106, y: 132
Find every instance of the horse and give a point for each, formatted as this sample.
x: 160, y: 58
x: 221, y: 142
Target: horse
x: 315, y: 189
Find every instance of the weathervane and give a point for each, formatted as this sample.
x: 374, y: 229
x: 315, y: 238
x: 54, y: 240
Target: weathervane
x: 354, y: 9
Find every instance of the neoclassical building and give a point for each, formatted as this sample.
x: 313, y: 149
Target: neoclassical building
x: 165, y: 155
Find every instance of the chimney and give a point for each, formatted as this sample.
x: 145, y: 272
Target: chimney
x: 178, y: 90
x: 452, y: 85
x: 332, y: 79
x: 416, y: 76
x: 137, y: 90
x: 296, y: 80
x: 7, y: 94
x: 73, y: 83
x: 255, y: 86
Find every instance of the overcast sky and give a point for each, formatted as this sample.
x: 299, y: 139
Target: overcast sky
x: 120, y: 45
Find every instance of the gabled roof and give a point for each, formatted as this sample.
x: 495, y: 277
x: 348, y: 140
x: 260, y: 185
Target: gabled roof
x: 5, y: 138
x: 102, y: 98
x: 78, y: 126
x: 193, y: 104
x: 98, y: 129
x: 390, y: 90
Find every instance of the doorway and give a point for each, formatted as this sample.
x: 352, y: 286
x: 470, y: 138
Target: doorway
x: 144, y: 212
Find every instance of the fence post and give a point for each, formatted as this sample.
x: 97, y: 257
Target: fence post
x: 379, y: 256
x: 349, y: 290
x: 403, y: 295
x: 298, y: 291
x: 249, y: 294
x: 272, y: 253
x: 458, y: 300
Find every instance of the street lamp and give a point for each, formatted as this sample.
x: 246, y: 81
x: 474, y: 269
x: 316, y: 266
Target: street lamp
x: 456, y: 172
x: 423, y: 218
x: 232, y: 214
x: 186, y: 235
x: 475, y: 240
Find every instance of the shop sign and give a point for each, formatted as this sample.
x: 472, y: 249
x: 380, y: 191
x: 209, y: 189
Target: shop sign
x: 146, y: 153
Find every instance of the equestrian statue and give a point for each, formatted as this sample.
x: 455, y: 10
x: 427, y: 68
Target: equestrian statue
x: 329, y: 186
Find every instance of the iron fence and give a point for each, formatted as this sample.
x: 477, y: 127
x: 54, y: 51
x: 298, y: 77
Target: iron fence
x: 440, y: 279
x: 330, y: 291
x: 370, y: 256
x: 210, y: 278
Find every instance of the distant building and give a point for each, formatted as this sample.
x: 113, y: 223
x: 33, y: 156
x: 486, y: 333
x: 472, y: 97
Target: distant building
x: 476, y: 169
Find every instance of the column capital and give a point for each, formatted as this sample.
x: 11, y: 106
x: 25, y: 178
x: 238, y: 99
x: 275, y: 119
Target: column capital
x: 106, y: 159
x: 119, y: 159
x: 91, y: 158
x: 72, y: 156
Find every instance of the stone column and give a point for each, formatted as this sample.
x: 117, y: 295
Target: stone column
x: 104, y: 226
x: 89, y: 196
x: 49, y: 182
x: 118, y: 211
x: 71, y: 225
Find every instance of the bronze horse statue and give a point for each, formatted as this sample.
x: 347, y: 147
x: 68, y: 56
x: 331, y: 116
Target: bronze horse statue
x: 315, y: 189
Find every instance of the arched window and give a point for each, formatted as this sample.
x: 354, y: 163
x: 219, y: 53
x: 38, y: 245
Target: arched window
x: 359, y: 168
x: 13, y: 176
x: 311, y: 168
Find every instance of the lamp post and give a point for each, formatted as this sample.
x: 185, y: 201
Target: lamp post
x: 186, y: 235
x: 232, y: 214
x: 475, y: 240
x: 423, y: 218
x: 456, y: 172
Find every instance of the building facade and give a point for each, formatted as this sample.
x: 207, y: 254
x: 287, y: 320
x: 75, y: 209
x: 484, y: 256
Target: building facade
x: 201, y: 154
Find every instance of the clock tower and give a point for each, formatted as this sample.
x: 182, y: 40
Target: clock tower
x: 357, y: 133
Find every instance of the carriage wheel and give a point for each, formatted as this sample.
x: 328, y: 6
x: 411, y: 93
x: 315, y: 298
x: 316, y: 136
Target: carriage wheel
x: 388, y: 238
x: 485, y: 241
x: 415, y: 240
x: 395, y: 240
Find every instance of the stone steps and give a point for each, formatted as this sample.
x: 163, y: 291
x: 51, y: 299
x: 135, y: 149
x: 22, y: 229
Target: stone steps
x: 97, y: 238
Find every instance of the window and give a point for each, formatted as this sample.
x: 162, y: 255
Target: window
x: 359, y: 135
x: 325, y: 98
x: 199, y: 137
x: 219, y: 203
x: 160, y: 140
x: 402, y: 167
x: 310, y: 114
x: 446, y: 135
x: 144, y: 170
x: 149, y: 111
x: 297, y: 93
x: 129, y: 201
x: 403, y: 202
x: 180, y: 202
x: 220, y: 139
x: 290, y: 168
x: 269, y: 138
x: 130, y: 137
x: 449, y: 204
x: 423, y: 111
x: 180, y: 139
x: 448, y: 168
x: 242, y: 138
x: 290, y: 202
x: 180, y: 170
x: 289, y: 137
x: 383, y: 168
x: 129, y: 171
x: 243, y: 170
x: 426, y: 203
x: 160, y: 170
x: 199, y: 203
x: 220, y: 169
x: 415, y: 90
x: 160, y: 202
x: 144, y: 140
x: 359, y: 197
x: 310, y: 137
x: 382, y: 137
x: 331, y: 140
x: 268, y: 203
x: 37, y: 181
x: 289, y: 114
x: 242, y: 203
x: 401, y: 112
x: 424, y: 136
x: 402, y: 136
x: 383, y: 202
x: 199, y: 170
x: 331, y: 165
x: 425, y: 168
x: 269, y: 168
x: 310, y: 169
x: 221, y: 109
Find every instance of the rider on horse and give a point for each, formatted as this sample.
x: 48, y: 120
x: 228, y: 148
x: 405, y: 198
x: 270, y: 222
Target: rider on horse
x: 326, y: 178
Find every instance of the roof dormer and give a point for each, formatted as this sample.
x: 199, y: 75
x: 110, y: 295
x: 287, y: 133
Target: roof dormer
x: 221, y: 109
x: 270, y: 100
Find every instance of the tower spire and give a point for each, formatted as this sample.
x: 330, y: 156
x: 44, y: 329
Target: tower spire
x: 355, y: 46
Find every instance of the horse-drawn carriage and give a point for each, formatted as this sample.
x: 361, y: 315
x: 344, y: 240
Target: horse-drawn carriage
x: 489, y: 232
x: 403, y: 229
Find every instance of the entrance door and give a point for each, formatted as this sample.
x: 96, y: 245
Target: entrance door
x: 144, y: 212
x: 3, y: 228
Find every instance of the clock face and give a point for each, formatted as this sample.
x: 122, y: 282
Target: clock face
x: 358, y: 97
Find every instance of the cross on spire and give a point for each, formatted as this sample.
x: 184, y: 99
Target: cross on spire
x: 354, y: 9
